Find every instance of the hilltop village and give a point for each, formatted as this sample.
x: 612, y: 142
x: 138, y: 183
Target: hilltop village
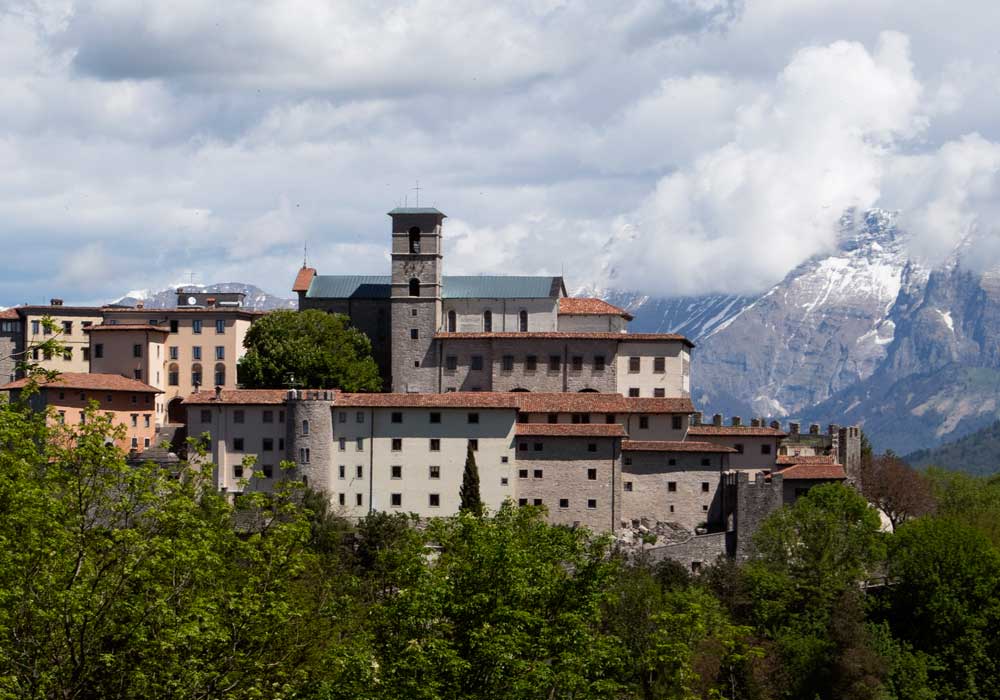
x: 560, y: 404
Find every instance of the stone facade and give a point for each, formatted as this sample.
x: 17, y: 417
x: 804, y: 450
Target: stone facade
x: 11, y: 344
x: 754, y: 501
x: 677, y: 487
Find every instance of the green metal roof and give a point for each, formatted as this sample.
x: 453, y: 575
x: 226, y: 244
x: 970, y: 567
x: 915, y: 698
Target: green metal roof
x: 350, y: 287
x: 416, y: 210
x: 460, y: 287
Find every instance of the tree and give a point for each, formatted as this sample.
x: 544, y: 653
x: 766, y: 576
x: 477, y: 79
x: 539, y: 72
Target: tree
x: 944, y: 601
x: 317, y: 349
x: 471, y: 501
x: 897, y: 489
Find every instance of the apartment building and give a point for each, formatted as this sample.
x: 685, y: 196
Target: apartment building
x: 11, y: 344
x: 70, y: 329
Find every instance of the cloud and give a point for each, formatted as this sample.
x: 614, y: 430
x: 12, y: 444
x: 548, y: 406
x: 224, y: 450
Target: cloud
x: 686, y: 146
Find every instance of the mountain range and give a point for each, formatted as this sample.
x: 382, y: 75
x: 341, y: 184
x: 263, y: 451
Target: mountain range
x: 256, y: 298
x: 862, y: 335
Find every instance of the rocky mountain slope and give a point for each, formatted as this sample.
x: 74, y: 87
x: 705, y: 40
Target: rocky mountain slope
x: 862, y: 335
x: 256, y: 298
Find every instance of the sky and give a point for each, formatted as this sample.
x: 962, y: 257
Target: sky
x: 664, y: 146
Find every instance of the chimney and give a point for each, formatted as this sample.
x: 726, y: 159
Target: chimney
x: 755, y: 422
x: 834, y: 429
x: 793, y: 428
x: 736, y: 421
x: 696, y: 419
x: 814, y: 428
x: 210, y: 301
x: 717, y: 420
x: 180, y: 290
x: 140, y: 304
x: 776, y: 425
x: 218, y: 393
x: 55, y: 302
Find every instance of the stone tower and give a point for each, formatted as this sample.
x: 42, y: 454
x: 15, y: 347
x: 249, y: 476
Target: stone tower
x: 416, y: 297
x: 309, y: 436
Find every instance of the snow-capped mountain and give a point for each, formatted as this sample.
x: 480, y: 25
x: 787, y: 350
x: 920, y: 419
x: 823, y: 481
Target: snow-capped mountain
x: 861, y: 335
x: 256, y: 298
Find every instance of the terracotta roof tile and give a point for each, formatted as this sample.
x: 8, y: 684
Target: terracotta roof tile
x: 582, y: 306
x: 126, y: 327
x: 238, y: 396
x: 89, y: 380
x: 571, y: 429
x: 817, y: 472
x: 9, y: 313
x: 303, y: 279
x: 564, y: 335
x: 588, y: 402
x: 673, y: 446
x: 207, y: 310
x: 455, y: 399
x: 734, y: 430
x: 49, y: 310
x: 788, y: 460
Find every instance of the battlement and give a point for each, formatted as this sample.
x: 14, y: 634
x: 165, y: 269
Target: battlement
x: 326, y: 395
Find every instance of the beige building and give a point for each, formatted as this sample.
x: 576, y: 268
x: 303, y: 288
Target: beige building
x: 202, y: 347
x: 71, y: 324
x: 129, y: 402
x: 133, y: 350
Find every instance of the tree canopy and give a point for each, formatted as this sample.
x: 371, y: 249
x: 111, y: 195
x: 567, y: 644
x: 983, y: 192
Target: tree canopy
x: 315, y: 349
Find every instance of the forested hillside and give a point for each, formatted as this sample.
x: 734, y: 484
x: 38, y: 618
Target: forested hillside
x: 976, y: 453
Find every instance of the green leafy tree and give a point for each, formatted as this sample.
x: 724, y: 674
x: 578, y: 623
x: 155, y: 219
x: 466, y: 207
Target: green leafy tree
x: 317, y: 349
x: 471, y: 501
x: 944, y: 602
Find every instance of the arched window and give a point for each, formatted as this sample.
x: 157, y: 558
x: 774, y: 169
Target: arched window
x: 415, y: 239
x: 196, y: 375
x: 414, y: 287
x: 220, y: 375
x: 305, y: 427
x: 487, y: 321
x: 173, y: 374
x: 523, y: 321
x: 451, y: 321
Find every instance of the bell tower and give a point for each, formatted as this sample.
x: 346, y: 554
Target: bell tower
x: 416, y: 296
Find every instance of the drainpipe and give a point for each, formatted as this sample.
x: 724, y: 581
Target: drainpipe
x: 614, y: 443
x: 565, y: 369
x: 371, y: 459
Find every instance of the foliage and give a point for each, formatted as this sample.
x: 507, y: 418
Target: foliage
x: 315, y: 349
x: 471, y: 501
x: 898, y: 490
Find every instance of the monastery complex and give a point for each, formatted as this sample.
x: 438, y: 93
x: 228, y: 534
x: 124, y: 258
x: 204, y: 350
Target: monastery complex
x: 560, y: 404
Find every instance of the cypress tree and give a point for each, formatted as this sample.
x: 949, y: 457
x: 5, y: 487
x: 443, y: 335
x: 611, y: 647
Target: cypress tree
x: 469, y: 493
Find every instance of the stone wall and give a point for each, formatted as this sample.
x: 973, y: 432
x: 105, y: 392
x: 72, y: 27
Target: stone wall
x: 10, y: 344
x: 314, y: 466
x: 755, y: 501
x: 564, y: 463
x: 696, y: 553
x: 414, y: 361
x: 647, y: 494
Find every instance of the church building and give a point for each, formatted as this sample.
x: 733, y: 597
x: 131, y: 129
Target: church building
x: 433, y: 333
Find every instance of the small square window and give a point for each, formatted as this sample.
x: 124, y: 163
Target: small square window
x: 659, y: 365
x: 706, y: 462
x: 342, y: 444
x: 396, y: 500
x: 628, y: 485
x: 671, y: 509
x: 530, y: 363
x: 634, y: 364
x: 537, y: 446
x: 765, y: 449
x: 672, y: 462
x: 359, y: 472
x: 591, y: 503
x: 633, y: 392
x: 522, y: 473
x: 564, y: 503
x: 434, y: 500
x: 537, y: 502
x: 672, y: 486
x: 609, y: 419
x: 238, y: 444
x: 451, y: 363
x: 659, y: 393
x: 507, y: 363
x: 396, y: 471
x: 359, y: 417
x: 435, y: 444
x: 474, y: 445
x: 599, y: 363
x: 340, y: 498
x: 397, y: 444
x: 413, y: 312
x: 267, y: 445
x: 397, y: 416
x: 342, y: 472
x: 739, y: 448
x: 359, y: 499
x: 342, y: 417
x: 435, y: 417
x: 239, y: 416
x: 677, y: 422
x: 591, y: 447
x: 434, y: 472
x: 643, y: 422
x: 522, y: 501
x: 522, y: 446
x: 627, y: 461
x: 237, y: 471
x: 592, y: 474
x: 504, y: 459
x: 704, y: 508
x: 206, y: 415
x: 473, y: 417
x: 704, y: 487
x: 537, y: 474
x: 414, y: 334
x: 267, y: 416
x: 476, y: 362
x: 416, y: 363
x: 268, y: 471
x: 577, y: 363
x: 553, y: 418
x: 504, y: 481
x: 555, y: 361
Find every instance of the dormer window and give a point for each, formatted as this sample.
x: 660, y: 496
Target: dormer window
x: 415, y: 240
